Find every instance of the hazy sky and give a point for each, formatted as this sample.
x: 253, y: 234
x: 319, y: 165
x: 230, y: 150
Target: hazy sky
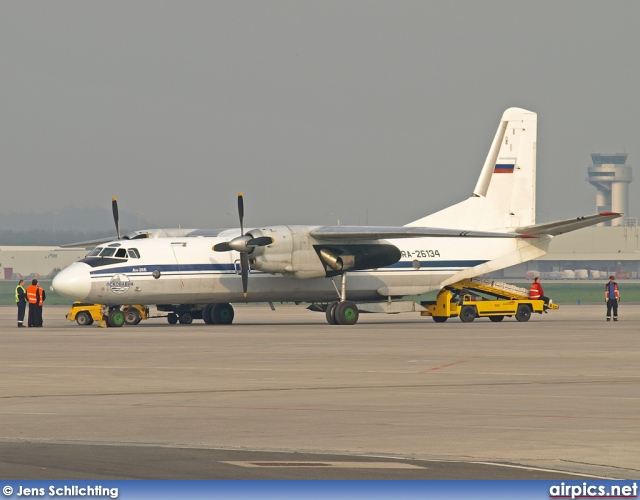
x: 363, y: 111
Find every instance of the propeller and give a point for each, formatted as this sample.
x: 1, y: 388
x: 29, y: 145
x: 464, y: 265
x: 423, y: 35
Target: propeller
x: 116, y: 218
x: 243, y: 244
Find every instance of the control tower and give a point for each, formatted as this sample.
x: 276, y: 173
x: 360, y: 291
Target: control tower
x: 611, y: 177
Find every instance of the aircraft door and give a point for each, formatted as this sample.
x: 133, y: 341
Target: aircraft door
x: 187, y: 276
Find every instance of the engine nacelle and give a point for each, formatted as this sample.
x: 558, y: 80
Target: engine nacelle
x: 337, y: 262
x: 339, y: 258
x: 295, y: 254
x: 291, y: 253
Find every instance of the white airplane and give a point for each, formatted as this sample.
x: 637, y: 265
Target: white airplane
x: 493, y: 229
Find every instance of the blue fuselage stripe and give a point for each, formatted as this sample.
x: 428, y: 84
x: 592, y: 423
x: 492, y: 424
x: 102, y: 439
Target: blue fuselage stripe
x: 231, y: 268
x: 438, y: 263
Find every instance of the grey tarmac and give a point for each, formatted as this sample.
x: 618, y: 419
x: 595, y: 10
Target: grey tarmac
x: 283, y: 395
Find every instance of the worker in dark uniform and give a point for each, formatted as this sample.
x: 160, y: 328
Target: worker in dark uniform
x: 40, y: 296
x: 32, y: 299
x: 21, y: 302
x: 612, y: 297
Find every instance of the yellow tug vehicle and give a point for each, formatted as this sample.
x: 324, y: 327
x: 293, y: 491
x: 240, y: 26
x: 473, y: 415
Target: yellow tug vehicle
x: 480, y: 298
x: 86, y: 314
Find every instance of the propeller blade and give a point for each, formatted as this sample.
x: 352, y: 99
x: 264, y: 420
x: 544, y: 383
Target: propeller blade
x: 242, y: 245
x: 261, y: 241
x: 244, y: 269
x: 241, y: 212
x: 221, y: 247
x: 116, y: 218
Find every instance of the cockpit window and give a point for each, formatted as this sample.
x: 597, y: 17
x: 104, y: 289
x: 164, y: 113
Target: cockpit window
x: 106, y: 256
x: 108, y: 252
x: 112, y: 251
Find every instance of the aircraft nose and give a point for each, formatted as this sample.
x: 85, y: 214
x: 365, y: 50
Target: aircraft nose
x: 73, y: 282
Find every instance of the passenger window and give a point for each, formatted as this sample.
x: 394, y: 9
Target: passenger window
x: 133, y: 253
x: 122, y: 252
x: 108, y: 252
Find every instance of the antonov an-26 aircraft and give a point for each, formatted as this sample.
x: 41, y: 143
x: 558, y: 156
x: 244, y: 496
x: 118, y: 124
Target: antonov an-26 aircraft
x: 493, y: 229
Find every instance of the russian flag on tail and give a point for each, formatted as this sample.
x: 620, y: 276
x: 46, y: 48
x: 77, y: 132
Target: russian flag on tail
x: 504, y: 168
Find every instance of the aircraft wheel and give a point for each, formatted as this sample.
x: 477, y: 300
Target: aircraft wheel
x: 115, y: 318
x: 186, y: 319
x: 206, y: 314
x: 347, y: 313
x: 468, y: 314
x: 84, y: 318
x: 496, y: 319
x: 222, y: 314
x: 132, y: 316
x: 523, y: 313
x: 440, y: 319
x: 331, y: 313
x: 172, y: 318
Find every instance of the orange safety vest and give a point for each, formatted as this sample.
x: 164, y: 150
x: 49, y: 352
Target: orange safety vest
x: 31, y: 294
x: 40, y: 295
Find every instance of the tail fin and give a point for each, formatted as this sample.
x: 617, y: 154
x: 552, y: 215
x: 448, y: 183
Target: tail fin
x: 505, y: 195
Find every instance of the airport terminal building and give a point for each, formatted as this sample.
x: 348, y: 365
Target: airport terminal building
x: 40, y: 262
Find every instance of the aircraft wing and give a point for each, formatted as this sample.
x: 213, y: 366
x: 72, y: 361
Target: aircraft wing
x: 146, y: 233
x: 88, y: 243
x: 389, y: 232
x: 564, y: 226
x: 207, y: 232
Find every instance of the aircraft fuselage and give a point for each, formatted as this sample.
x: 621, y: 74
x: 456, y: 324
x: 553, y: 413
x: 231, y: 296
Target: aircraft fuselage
x: 187, y: 270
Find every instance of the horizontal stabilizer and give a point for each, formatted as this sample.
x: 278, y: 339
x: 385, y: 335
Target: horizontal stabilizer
x: 384, y: 232
x: 565, y: 226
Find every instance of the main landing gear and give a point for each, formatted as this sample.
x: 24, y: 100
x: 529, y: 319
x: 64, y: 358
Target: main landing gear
x: 211, y: 314
x: 218, y: 314
x: 343, y: 311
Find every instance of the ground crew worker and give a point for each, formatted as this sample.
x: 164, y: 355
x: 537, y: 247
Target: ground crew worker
x: 41, y: 296
x: 537, y: 293
x: 21, y: 302
x: 33, y: 299
x: 612, y: 297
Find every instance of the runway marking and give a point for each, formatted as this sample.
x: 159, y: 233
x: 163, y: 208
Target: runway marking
x: 444, y: 366
x: 539, y: 469
x: 389, y: 412
x: 450, y: 364
x: 629, y: 380
x: 334, y: 465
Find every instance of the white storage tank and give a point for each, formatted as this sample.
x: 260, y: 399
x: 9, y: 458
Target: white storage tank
x: 582, y: 274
